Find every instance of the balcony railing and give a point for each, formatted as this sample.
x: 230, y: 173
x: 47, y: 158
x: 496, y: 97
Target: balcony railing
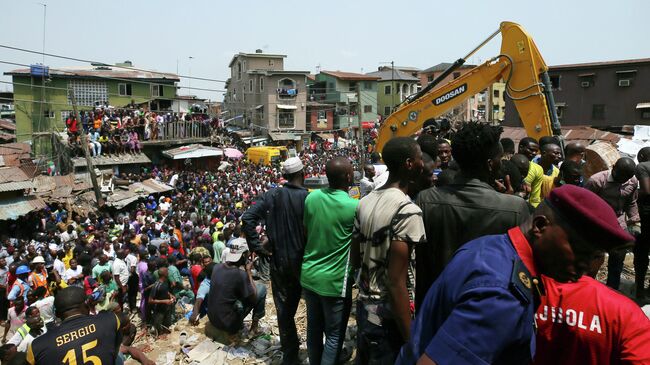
x: 182, y: 130
x: 287, y: 93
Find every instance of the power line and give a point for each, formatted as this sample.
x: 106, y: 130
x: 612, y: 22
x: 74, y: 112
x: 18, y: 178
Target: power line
x: 101, y: 63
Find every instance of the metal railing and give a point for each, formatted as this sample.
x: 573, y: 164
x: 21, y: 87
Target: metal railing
x: 181, y: 130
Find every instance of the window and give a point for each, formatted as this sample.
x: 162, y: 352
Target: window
x: 286, y: 119
x: 586, y: 80
x: 456, y: 75
x: 330, y: 85
x: 555, y: 82
x: 261, y: 83
x: 495, y: 93
x: 270, y: 62
x: 645, y: 115
x: 598, y: 112
x: 367, y: 85
x: 387, y: 90
x: 367, y: 108
x: 156, y: 91
x: 65, y: 114
x: 48, y: 114
x: 386, y: 110
x: 322, y: 114
x: 353, y: 86
x: 250, y: 85
x: 88, y: 93
x: 243, y: 94
x: 429, y: 78
x: 239, y: 68
x: 124, y: 89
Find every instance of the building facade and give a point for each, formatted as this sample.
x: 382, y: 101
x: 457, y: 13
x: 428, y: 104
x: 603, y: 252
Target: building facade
x: 352, y: 96
x: 43, y: 98
x: 266, y: 99
x: 599, y: 94
x: 393, y: 87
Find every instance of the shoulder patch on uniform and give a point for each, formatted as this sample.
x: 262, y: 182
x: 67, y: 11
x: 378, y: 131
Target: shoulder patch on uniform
x: 521, y: 282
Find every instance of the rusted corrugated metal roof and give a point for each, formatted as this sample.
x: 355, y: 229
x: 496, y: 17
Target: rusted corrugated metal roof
x: 16, y: 186
x: 350, y: 75
x: 12, y: 174
x: 13, y: 148
x: 102, y: 160
x: 17, y: 207
x: 156, y: 186
x: 109, y: 71
x: 583, y: 134
x: 7, y: 124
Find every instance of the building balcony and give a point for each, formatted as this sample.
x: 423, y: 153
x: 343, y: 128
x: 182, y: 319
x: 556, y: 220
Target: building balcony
x: 287, y: 93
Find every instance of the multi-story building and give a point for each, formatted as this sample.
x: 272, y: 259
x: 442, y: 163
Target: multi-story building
x: 44, y: 96
x: 353, y: 97
x: 498, y: 101
x: 266, y: 99
x: 394, y: 85
x: 600, y: 94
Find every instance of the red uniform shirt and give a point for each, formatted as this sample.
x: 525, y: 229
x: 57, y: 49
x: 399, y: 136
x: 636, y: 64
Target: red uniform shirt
x: 588, y: 323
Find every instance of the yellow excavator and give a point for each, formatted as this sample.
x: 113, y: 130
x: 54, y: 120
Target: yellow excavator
x: 521, y: 67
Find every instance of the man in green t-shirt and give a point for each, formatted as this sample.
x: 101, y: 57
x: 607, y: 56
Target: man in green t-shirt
x: 326, y: 268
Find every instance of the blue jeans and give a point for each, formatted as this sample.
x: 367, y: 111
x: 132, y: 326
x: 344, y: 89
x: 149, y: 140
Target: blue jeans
x: 329, y: 316
x: 258, y: 307
x: 376, y: 345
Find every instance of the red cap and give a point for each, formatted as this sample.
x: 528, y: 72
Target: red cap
x: 590, y: 215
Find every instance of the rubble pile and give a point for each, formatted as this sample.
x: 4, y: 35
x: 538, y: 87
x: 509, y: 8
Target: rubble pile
x: 187, y: 344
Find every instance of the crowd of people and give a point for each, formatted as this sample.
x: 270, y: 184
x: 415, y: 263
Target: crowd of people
x: 118, y: 131
x: 462, y: 249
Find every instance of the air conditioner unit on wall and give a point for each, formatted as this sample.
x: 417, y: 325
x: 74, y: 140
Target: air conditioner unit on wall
x: 585, y: 84
x: 623, y: 83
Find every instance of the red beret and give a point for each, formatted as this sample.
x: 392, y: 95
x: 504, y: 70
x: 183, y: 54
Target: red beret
x: 590, y: 215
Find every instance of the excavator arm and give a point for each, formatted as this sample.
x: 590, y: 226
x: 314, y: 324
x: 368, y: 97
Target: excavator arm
x: 521, y: 67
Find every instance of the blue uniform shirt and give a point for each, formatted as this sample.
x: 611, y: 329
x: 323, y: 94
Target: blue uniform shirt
x: 480, y: 310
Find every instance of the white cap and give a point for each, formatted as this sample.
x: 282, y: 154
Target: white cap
x: 292, y: 165
x: 235, y: 251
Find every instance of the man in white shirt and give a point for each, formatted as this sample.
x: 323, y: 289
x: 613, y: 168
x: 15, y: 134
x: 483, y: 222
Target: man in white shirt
x: 69, y: 235
x: 74, y: 275
x: 367, y: 183
x: 173, y: 180
x: 121, y: 275
x: 58, y: 264
x: 45, y: 305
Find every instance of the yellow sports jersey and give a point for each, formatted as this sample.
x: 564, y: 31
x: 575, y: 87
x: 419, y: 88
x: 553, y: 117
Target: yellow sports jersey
x: 82, y: 339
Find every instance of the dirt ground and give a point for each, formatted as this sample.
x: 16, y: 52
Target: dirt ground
x: 265, y: 348
x: 199, y: 349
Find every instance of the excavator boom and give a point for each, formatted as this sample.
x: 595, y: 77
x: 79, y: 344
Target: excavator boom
x: 520, y: 66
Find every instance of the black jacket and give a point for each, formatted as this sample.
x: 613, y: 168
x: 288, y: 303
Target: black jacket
x: 282, y: 210
x: 456, y: 214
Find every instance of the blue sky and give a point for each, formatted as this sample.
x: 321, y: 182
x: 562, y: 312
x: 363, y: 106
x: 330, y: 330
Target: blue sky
x: 352, y: 35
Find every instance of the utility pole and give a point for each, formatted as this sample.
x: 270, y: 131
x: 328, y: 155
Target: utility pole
x: 361, y: 144
x: 392, y: 83
x: 89, y: 161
